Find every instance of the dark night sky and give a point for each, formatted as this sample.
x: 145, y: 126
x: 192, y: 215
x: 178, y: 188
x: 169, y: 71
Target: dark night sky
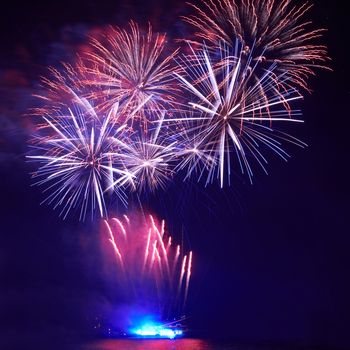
x: 271, y: 260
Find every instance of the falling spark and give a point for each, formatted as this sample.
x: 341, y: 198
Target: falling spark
x: 150, y: 271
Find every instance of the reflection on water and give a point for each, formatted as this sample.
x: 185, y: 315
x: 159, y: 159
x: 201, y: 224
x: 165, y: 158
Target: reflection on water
x: 150, y: 344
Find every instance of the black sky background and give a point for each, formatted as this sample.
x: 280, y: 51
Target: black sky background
x: 271, y: 260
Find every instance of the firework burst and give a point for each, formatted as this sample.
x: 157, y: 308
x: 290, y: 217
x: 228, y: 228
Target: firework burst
x: 204, y: 114
x: 59, y: 88
x: 76, y: 162
x: 148, y: 158
x: 274, y: 30
x: 235, y: 112
x: 192, y: 154
x: 131, y: 67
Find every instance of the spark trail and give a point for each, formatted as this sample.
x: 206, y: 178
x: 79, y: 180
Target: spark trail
x: 149, y: 264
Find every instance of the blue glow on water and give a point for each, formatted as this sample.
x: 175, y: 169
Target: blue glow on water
x: 154, y: 330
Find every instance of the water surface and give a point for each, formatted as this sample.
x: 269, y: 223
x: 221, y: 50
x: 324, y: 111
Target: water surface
x: 156, y: 344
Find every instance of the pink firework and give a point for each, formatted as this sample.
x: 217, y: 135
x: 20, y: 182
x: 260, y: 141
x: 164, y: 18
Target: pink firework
x: 131, y: 67
x: 58, y: 89
x: 148, y: 262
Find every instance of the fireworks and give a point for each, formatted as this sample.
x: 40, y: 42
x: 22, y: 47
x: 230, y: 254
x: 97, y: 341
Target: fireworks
x: 148, y: 159
x: 204, y: 114
x: 61, y: 87
x: 149, y: 264
x: 131, y: 67
x: 194, y: 157
x: 132, y: 113
x: 274, y: 29
x: 232, y: 109
x: 76, y: 159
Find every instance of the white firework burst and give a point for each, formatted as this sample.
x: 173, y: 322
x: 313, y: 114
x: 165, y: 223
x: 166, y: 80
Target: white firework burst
x: 235, y: 110
x: 147, y: 157
x: 76, y: 161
